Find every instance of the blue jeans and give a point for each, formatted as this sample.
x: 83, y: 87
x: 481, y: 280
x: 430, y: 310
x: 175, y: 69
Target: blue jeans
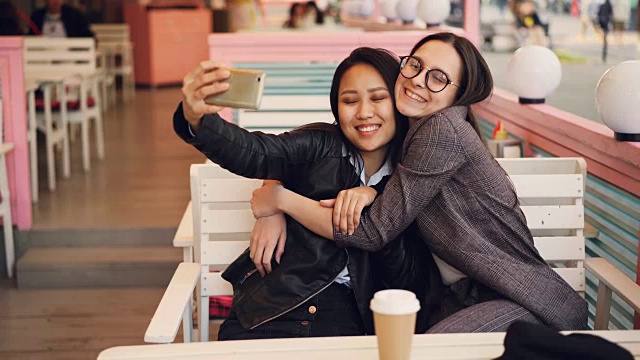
x: 333, y: 312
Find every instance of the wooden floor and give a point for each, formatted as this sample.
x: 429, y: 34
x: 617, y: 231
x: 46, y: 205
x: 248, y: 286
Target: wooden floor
x: 74, y: 324
x: 142, y: 182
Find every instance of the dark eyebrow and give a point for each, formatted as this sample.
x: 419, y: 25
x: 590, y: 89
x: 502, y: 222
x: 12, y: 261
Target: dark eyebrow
x: 368, y: 90
x: 378, y: 89
x: 422, y: 63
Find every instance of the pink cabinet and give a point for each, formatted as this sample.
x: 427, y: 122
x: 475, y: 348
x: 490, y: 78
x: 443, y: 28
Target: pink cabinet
x: 167, y: 42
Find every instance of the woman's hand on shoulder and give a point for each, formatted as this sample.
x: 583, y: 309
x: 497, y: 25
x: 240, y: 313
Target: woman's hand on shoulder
x: 204, y: 80
x: 269, y: 234
x: 347, y: 207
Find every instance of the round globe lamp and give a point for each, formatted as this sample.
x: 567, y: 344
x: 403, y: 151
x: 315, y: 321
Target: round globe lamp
x: 388, y: 9
x: 533, y: 73
x: 367, y: 8
x: 406, y: 10
x: 618, y: 100
x: 434, y: 12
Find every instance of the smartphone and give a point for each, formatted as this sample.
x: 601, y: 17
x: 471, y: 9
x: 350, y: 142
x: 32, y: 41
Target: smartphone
x: 245, y: 90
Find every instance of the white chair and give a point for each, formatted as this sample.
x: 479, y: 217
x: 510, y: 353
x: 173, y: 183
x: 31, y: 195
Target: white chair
x: 115, y: 41
x: 70, y: 57
x: 32, y: 138
x: 5, y: 202
x: 222, y: 220
x: 551, y: 195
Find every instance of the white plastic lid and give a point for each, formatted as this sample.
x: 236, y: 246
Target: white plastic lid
x: 394, y: 302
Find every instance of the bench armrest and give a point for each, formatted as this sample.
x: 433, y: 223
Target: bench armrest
x: 175, y: 301
x: 611, y: 280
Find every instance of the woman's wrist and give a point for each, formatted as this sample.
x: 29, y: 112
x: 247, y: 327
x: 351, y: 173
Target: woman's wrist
x: 283, y: 198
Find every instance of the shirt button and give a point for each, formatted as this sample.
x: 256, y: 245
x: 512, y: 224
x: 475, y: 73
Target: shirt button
x: 312, y: 309
x: 305, y: 323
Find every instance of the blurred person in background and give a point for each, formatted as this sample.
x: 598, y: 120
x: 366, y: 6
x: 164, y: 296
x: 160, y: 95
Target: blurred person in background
x: 621, y: 18
x: 242, y: 14
x: 605, y: 18
x: 588, y: 13
x: 58, y: 19
x: 304, y: 16
x: 531, y: 29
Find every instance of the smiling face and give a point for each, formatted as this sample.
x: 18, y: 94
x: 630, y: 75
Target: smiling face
x: 413, y: 99
x: 365, y: 110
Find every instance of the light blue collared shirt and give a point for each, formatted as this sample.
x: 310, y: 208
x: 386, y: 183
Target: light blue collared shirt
x: 386, y: 169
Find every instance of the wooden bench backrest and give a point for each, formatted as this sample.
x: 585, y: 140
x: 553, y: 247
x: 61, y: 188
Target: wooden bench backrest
x: 222, y: 221
x: 550, y: 193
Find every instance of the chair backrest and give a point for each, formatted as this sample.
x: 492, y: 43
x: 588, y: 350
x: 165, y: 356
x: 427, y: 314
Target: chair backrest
x: 222, y: 222
x: 111, y: 33
x: 551, y: 192
x: 74, y: 55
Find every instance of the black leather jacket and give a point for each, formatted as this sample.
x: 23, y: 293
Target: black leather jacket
x: 308, y: 161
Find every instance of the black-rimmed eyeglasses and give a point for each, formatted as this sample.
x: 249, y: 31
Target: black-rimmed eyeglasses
x: 436, y: 80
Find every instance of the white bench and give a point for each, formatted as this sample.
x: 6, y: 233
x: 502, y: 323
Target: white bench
x: 551, y: 194
x: 223, y: 220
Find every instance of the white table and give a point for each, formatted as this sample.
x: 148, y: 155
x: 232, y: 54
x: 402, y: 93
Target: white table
x: 432, y: 347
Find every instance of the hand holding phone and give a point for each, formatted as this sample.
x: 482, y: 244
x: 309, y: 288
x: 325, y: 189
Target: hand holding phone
x: 245, y: 90
x: 208, y: 78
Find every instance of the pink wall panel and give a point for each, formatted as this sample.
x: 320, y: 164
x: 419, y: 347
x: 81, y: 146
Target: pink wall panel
x: 15, y: 129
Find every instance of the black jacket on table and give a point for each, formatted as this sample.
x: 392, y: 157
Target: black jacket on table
x: 307, y: 161
x: 75, y: 23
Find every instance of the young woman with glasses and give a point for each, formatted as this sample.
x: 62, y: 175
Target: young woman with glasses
x: 464, y: 204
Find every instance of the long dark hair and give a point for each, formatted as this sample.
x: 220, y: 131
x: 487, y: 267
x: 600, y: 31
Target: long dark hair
x: 387, y: 65
x: 476, y: 83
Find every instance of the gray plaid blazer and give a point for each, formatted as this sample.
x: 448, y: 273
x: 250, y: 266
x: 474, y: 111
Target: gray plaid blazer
x: 467, y: 211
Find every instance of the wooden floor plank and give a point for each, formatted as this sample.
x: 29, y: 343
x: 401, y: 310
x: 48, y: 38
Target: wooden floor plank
x: 142, y: 182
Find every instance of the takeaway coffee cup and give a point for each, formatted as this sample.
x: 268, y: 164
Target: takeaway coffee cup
x: 394, y: 317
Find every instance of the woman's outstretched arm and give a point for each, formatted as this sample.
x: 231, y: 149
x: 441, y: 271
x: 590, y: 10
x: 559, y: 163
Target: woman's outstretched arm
x: 248, y: 154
